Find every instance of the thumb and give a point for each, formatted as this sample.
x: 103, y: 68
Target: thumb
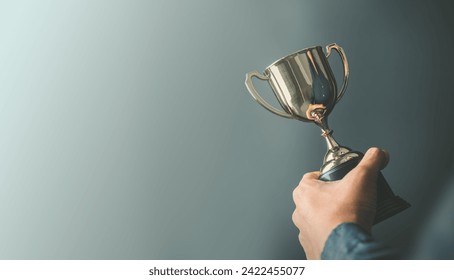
x: 374, y: 160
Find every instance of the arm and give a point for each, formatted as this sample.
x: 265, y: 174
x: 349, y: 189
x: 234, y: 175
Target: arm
x: 335, y: 218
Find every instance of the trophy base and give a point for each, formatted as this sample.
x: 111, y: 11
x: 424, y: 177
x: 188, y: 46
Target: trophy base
x: 388, y: 204
x: 390, y: 207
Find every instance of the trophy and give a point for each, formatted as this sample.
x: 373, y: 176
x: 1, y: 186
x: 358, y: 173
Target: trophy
x: 305, y: 87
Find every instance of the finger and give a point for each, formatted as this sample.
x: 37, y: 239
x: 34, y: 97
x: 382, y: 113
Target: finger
x: 311, y: 175
x: 296, y: 219
x: 370, y: 165
x: 309, y: 180
x: 375, y: 159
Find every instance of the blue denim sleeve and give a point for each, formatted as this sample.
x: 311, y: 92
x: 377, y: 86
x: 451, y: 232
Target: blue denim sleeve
x: 348, y: 241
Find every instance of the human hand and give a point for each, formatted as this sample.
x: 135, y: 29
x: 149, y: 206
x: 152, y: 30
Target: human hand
x: 322, y: 206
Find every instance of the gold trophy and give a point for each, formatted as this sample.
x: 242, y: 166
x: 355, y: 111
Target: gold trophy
x: 305, y: 87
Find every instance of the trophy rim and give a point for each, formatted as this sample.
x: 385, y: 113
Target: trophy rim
x: 291, y: 55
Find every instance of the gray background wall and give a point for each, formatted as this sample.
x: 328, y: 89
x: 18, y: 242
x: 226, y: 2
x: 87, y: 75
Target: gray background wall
x: 126, y: 131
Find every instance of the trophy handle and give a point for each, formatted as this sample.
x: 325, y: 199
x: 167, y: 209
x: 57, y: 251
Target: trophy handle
x: 340, y: 51
x: 258, y: 98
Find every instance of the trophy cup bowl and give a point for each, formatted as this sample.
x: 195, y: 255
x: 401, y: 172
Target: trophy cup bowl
x: 306, y: 89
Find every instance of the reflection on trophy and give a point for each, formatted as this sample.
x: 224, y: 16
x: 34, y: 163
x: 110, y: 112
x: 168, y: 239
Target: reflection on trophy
x: 306, y: 89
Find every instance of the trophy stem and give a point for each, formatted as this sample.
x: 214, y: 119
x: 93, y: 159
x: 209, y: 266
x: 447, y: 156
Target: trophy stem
x: 336, y: 154
x: 320, y: 119
x: 330, y: 141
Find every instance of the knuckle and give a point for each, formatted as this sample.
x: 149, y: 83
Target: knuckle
x: 294, y: 216
x: 305, y: 181
x: 296, y: 193
x: 299, y: 193
x: 301, y: 238
x: 306, y: 177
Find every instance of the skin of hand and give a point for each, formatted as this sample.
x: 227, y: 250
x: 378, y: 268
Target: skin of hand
x: 322, y: 206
